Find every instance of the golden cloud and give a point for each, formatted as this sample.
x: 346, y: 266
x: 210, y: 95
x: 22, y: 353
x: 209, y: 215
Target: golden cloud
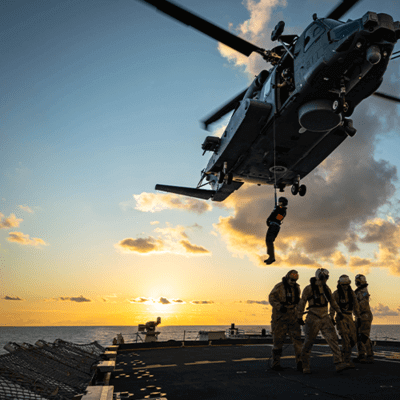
x: 154, y: 202
x: 10, y: 222
x: 170, y: 240
x: 161, y: 300
x: 79, y: 299
x: 19, y: 237
x: 192, y: 248
x: 16, y: 298
x: 26, y: 208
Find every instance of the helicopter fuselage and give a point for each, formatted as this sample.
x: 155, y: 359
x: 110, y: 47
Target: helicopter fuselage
x: 289, y: 125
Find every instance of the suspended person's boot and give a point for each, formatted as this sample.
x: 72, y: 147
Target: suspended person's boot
x: 271, y: 253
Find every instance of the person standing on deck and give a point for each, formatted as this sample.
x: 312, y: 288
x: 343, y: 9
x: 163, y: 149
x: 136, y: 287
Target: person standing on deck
x: 364, y: 344
x: 318, y: 295
x: 284, y: 298
x: 347, y: 301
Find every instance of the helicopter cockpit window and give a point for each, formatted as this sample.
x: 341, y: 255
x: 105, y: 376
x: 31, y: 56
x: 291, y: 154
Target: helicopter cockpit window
x: 312, y: 35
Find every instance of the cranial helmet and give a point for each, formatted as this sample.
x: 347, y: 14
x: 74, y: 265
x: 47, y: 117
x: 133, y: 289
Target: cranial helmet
x: 322, y: 273
x: 344, y: 280
x: 292, y: 274
x: 360, y: 280
x: 283, y: 200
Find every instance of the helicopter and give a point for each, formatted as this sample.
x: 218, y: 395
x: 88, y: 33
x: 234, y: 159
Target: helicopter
x: 296, y: 113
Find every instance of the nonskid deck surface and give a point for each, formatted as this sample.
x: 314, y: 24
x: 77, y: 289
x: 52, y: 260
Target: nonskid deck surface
x: 224, y: 372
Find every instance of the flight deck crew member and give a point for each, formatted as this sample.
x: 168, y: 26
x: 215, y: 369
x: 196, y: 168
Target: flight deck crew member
x: 318, y: 295
x: 274, y: 222
x: 364, y: 345
x: 347, y: 302
x: 284, y: 298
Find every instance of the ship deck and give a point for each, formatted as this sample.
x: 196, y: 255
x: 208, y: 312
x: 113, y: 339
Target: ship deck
x: 240, y: 369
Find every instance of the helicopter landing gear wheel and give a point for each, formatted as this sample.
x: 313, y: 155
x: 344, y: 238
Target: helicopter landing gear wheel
x: 229, y: 178
x: 295, y: 189
x: 302, y: 190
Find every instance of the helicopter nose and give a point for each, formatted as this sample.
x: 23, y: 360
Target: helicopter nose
x: 374, y: 55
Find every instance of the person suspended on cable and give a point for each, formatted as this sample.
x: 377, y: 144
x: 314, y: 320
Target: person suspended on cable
x: 274, y: 222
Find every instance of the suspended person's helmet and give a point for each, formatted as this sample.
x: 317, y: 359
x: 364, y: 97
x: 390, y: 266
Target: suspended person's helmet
x: 283, y: 200
x: 292, y: 274
x: 360, y: 280
x: 322, y: 273
x: 344, y: 280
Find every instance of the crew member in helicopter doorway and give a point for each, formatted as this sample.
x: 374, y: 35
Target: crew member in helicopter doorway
x: 274, y: 222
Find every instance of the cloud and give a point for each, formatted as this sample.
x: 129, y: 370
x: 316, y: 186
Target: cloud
x: 255, y: 30
x: 19, y: 237
x: 26, y: 208
x: 386, y: 234
x: 192, y: 248
x: 79, y: 299
x: 155, y: 202
x: 161, y: 300
x: 140, y: 245
x: 10, y: 222
x: 170, y: 240
x: 383, y: 311
x: 262, y: 302
x: 201, y: 302
x: 154, y: 222
x: 11, y: 298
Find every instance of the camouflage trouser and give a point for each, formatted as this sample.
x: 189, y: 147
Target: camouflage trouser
x: 313, y: 325
x: 282, y: 327
x: 348, y: 333
x: 364, y: 345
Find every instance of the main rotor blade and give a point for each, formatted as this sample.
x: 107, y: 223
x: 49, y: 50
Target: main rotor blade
x: 223, y: 110
x: 208, y: 28
x: 387, y: 97
x: 342, y: 9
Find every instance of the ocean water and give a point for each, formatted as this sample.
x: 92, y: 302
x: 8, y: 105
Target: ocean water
x: 105, y: 334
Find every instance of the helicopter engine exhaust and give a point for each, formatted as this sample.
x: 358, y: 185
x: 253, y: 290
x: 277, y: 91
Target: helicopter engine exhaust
x: 374, y: 55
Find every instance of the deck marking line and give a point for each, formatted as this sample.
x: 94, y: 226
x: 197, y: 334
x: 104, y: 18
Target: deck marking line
x: 251, y: 359
x: 206, y: 362
x: 157, y: 366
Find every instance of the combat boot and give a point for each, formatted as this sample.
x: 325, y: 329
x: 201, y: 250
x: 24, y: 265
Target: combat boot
x: 341, y: 367
x: 350, y: 365
x: 360, y: 359
x: 306, y: 370
x: 369, y: 360
x: 271, y: 253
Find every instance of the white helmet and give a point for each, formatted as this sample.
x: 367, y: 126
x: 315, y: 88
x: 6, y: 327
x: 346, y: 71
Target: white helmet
x: 360, y: 280
x: 322, y: 273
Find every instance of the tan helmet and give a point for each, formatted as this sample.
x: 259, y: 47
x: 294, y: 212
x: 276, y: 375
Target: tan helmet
x: 292, y: 274
x: 344, y: 280
x: 360, y: 280
x: 322, y: 273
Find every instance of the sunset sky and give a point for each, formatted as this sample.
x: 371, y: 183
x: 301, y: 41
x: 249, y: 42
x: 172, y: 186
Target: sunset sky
x: 101, y: 100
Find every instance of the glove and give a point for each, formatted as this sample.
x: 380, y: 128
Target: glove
x: 340, y: 316
x: 300, y: 321
x: 283, y: 309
